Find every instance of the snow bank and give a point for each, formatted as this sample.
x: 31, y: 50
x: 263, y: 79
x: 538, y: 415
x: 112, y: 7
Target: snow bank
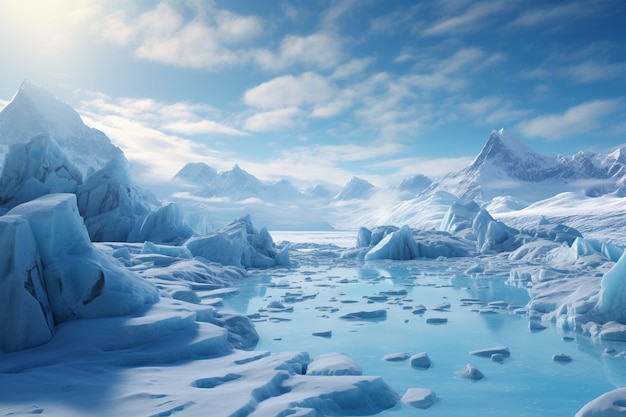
x: 239, y: 244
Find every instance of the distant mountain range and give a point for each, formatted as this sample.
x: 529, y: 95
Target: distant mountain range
x: 507, y: 177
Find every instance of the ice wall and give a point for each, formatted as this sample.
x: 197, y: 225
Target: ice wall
x: 36, y: 168
x: 75, y: 280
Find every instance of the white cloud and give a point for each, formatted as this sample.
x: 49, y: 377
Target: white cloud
x: 352, y: 68
x: 549, y: 13
x: 289, y: 91
x: 319, y: 50
x: 273, y: 120
x: 590, y: 71
x: 208, y: 39
x: 202, y: 127
x: 576, y: 120
x: 476, y: 16
x: 145, y: 129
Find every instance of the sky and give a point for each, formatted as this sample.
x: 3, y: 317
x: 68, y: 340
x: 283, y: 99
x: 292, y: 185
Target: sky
x: 317, y: 90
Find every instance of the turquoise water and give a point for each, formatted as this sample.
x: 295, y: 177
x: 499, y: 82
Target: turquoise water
x: 528, y: 383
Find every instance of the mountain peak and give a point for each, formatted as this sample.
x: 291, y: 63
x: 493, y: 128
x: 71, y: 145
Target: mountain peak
x: 38, y: 111
x: 356, y: 188
x: 35, y: 111
x: 196, y: 172
x: 506, y: 151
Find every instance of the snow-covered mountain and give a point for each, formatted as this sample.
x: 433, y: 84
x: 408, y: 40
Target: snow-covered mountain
x: 356, y: 188
x: 235, y: 184
x: 35, y: 111
x: 508, y: 167
x: 51, y: 150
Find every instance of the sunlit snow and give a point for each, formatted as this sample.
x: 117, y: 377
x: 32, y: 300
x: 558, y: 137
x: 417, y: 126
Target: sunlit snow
x: 496, y: 290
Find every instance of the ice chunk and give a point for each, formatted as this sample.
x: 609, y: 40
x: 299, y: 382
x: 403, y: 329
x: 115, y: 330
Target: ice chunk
x: 364, y: 238
x: 561, y: 357
x: 80, y: 280
x: 366, y: 315
x: 459, y: 216
x: 333, y: 364
x: 470, y: 372
x: 239, y: 244
x: 25, y: 317
x: 610, y: 404
x: 612, y: 302
x: 396, y: 357
x: 419, y: 397
x: 398, y: 245
x: 420, y: 360
x: 504, y: 351
x: 165, y: 225
x: 492, y: 235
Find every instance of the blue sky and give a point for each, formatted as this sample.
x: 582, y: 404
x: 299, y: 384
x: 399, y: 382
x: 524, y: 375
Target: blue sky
x: 315, y: 89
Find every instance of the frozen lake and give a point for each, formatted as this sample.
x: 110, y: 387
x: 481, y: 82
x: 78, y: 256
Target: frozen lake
x: 325, y: 287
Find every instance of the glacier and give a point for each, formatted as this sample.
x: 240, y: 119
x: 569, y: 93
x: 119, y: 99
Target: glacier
x: 104, y: 286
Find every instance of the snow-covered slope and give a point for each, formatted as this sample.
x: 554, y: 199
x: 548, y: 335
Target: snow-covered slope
x: 35, y: 111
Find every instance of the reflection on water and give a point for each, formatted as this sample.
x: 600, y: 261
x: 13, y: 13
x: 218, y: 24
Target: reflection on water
x: 528, y: 383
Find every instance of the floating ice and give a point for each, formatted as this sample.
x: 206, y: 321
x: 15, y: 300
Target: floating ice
x: 561, y: 357
x: 396, y: 357
x: 366, y: 315
x: 611, y: 404
x: 419, y: 397
x: 502, y: 350
x: 470, y: 372
x: 420, y: 360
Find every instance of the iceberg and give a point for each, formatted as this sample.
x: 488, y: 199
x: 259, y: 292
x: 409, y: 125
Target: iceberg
x: 239, y: 244
x: 80, y: 280
x: 398, y: 245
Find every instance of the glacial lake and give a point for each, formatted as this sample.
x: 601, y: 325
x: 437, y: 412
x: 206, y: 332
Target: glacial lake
x: 324, y: 287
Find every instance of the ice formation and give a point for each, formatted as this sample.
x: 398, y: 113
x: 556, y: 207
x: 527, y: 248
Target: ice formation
x: 36, y: 168
x: 610, y: 404
x: 111, y: 204
x: 239, y: 244
x: 419, y: 397
x: 75, y: 278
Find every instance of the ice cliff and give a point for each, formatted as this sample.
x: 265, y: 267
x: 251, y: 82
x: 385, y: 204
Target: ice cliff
x: 55, y: 274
